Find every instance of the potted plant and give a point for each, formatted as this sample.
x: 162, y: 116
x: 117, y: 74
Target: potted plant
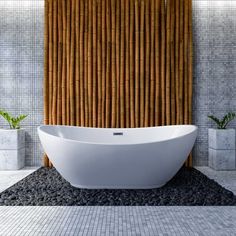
x: 222, y: 144
x: 12, y: 143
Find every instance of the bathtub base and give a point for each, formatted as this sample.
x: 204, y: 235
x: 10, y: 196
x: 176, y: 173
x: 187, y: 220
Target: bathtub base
x: 117, y: 187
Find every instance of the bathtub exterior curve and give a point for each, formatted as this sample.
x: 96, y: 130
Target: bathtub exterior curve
x: 107, y: 158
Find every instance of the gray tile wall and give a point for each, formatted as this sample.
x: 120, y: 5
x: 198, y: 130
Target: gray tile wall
x: 21, y: 66
x: 214, y: 28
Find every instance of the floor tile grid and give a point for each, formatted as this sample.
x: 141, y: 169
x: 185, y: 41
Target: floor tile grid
x: 52, y: 221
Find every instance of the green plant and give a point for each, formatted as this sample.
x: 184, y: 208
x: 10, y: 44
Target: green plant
x: 14, y: 122
x: 221, y: 124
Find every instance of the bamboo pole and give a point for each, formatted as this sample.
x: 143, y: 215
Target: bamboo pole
x: 59, y: 68
x: 177, y: 25
x: 157, y: 63
x: 99, y: 61
x: 186, y: 23
x: 117, y: 63
x: 140, y: 121
x: 172, y: 62
x: 137, y: 63
x: 163, y: 62
x: 90, y: 60
x: 45, y: 161
x: 108, y: 64
x: 77, y: 63
x: 64, y: 63
x: 81, y: 63
x: 55, y: 60
x: 113, y: 63
x: 132, y: 67
x: 68, y: 21
x: 46, y: 64
x: 152, y: 64
x: 50, y: 164
x: 46, y: 71
x: 86, y: 104
x: 127, y: 67
x: 104, y: 54
x: 50, y: 25
x: 147, y: 63
x: 94, y: 65
x: 168, y: 68
x: 72, y: 64
x: 181, y: 65
x: 122, y: 65
x: 190, y: 73
x: 190, y: 63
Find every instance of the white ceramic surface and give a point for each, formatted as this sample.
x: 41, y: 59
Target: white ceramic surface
x: 134, y: 158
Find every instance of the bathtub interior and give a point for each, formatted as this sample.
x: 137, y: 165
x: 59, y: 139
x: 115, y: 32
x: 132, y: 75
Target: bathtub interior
x: 118, y: 136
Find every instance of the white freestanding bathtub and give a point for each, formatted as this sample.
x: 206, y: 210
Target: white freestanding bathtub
x: 131, y: 158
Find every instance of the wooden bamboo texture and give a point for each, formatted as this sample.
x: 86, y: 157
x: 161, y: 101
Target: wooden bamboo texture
x: 55, y: 60
x: 64, y: 65
x: 172, y: 63
x: 108, y: 64
x: 81, y: 64
x: 118, y: 63
x: 181, y: 62
x: 190, y: 73
x: 104, y: 56
x: 132, y: 66
x: 99, y: 61
x: 86, y: 104
x: 138, y: 26
x: 177, y: 26
x: 190, y: 62
x: 147, y: 62
x: 50, y: 60
x: 46, y: 72
x: 118, y: 13
x: 77, y: 63
x: 122, y: 66
x: 152, y: 64
x: 163, y: 63
x: 94, y: 65
x: 186, y: 14
x: 59, y: 68
x: 139, y: 118
x: 168, y: 58
x: 127, y: 66
x: 90, y: 62
x: 113, y: 63
x: 157, y: 63
x: 68, y: 41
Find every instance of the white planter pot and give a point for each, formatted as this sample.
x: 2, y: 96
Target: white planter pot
x: 221, y: 149
x: 12, y: 149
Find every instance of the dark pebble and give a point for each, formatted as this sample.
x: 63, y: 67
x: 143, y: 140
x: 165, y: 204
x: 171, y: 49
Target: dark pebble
x: 46, y: 187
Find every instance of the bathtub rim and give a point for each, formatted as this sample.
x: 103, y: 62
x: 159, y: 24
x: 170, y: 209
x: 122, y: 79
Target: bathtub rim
x: 39, y: 129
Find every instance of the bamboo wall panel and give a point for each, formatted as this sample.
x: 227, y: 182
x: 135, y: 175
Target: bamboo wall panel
x: 118, y: 63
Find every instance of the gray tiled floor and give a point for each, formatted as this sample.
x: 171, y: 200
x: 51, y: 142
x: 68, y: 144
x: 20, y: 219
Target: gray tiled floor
x: 226, y: 179
x: 117, y: 221
x: 8, y: 178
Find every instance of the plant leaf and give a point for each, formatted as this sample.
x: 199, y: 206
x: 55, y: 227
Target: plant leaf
x: 216, y: 120
x: 14, y: 122
x: 221, y: 124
